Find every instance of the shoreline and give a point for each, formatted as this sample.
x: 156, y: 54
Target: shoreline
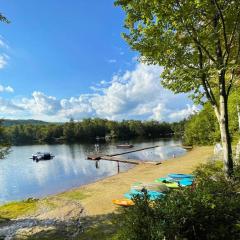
x: 113, y: 187
x: 89, y: 205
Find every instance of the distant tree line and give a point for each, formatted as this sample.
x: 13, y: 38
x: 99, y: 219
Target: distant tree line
x: 88, y: 130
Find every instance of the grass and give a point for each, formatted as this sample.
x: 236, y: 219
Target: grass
x: 16, y: 209
x: 73, y: 195
x: 101, y: 228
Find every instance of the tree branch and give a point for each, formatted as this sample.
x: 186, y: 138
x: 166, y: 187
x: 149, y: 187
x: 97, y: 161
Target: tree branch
x: 205, y: 83
x: 195, y: 38
x: 232, y: 35
x: 223, y: 25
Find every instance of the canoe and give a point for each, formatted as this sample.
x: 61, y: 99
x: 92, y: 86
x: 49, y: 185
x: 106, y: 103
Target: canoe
x: 153, y: 195
x: 123, y: 202
x: 180, y: 175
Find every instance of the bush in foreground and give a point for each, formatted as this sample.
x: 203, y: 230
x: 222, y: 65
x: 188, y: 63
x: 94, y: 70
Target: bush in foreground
x: 208, y: 210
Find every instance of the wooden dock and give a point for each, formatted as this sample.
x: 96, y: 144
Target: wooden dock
x: 131, y: 151
x: 131, y: 161
x: 112, y: 157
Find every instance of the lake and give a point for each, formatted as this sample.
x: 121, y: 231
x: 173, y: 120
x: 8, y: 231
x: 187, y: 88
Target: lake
x: 21, y: 177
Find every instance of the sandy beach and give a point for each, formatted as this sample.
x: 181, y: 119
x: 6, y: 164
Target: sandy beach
x: 98, y: 196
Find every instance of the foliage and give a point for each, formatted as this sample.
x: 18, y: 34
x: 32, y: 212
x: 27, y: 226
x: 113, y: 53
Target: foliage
x: 87, y: 130
x: 202, y: 128
x: 208, y: 210
x: 4, y: 144
x: 3, y: 19
x: 185, y: 37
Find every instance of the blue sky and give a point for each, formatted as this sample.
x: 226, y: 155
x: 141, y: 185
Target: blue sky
x: 62, y: 59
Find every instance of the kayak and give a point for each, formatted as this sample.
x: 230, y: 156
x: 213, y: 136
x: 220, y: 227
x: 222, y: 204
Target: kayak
x: 172, y: 185
x: 153, y: 195
x: 164, y: 180
x: 180, y: 176
x: 185, y: 182
x: 155, y: 186
x: 175, y: 183
x: 123, y: 202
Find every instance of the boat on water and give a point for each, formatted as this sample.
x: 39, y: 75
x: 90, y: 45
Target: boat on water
x: 124, y: 146
x: 42, y: 156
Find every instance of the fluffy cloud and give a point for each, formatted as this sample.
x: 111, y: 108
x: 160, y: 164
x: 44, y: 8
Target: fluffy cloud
x: 41, y: 104
x: 3, y: 57
x: 3, y: 44
x: 135, y: 94
x: 3, y: 60
x: 8, y: 107
x: 138, y: 94
x: 6, y: 89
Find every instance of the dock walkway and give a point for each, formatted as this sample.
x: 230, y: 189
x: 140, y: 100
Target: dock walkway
x: 112, y: 157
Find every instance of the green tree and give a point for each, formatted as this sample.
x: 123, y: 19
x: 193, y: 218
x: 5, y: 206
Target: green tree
x: 202, y: 128
x: 4, y: 147
x: 3, y: 19
x: 198, y: 43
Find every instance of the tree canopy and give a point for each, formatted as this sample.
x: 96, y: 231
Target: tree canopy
x: 197, y: 42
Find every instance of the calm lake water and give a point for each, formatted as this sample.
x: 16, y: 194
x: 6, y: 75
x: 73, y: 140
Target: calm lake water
x: 21, y: 177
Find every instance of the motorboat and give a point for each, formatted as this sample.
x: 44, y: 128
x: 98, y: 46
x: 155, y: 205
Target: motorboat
x: 42, y: 156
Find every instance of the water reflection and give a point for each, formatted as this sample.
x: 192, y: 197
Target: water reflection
x: 20, y: 177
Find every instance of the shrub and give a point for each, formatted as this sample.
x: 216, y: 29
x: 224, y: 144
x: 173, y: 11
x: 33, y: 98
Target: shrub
x: 208, y: 210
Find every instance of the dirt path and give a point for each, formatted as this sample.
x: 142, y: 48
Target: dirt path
x: 99, y: 195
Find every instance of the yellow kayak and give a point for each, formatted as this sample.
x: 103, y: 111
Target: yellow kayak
x: 123, y: 202
x: 172, y: 185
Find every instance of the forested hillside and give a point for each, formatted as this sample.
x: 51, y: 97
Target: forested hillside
x: 88, y: 130
x: 12, y: 122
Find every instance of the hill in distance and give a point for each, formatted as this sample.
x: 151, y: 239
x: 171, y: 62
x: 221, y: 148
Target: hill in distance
x: 11, y: 122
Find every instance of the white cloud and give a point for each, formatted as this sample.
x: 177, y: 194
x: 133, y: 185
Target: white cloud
x: 138, y: 94
x: 3, y: 60
x: 2, y: 43
x: 8, y: 107
x: 6, y: 89
x: 41, y: 104
x: 112, y: 61
x: 135, y: 94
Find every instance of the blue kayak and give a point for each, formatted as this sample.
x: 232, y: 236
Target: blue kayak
x: 153, y: 195
x: 180, y: 176
x: 185, y: 182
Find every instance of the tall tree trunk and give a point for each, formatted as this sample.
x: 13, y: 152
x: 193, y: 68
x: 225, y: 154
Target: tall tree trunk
x: 238, y: 112
x: 225, y: 135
